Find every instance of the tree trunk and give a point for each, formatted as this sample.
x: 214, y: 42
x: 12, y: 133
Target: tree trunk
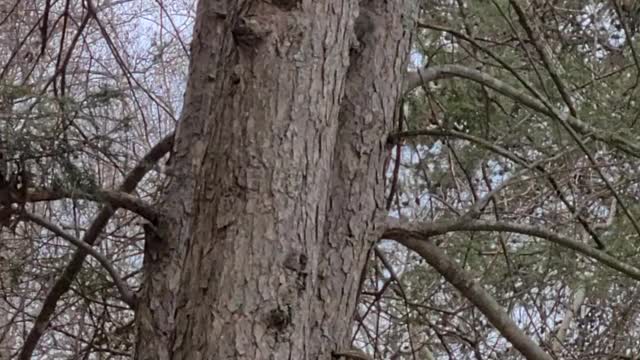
x: 278, y: 180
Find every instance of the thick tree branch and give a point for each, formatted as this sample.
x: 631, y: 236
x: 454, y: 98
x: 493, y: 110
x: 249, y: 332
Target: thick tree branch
x: 409, y: 232
x: 418, y: 78
x: 465, y: 283
x: 90, y: 237
x: 117, y: 199
x: 511, y: 156
x: 126, y: 294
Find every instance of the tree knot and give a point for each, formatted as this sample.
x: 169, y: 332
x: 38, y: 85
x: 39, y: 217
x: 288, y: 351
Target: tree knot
x: 250, y: 30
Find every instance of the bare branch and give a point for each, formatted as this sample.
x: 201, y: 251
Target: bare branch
x: 465, y: 283
x: 127, y: 296
x: 117, y: 199
x: 417, y: 78
x: 550, y: 66
x: 546, y: 56
x: 513, y: 157
x: 90, y: 237
x: 409, y: 231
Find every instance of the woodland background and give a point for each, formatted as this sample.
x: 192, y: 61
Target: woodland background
x: 87, y: 88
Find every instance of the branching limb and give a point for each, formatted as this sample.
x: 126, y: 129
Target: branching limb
x: 90, y: 237
x: 117, y: 199
x: 465, y: 283
x: 416, y: 79
x: 127, y: 295
x: 545, y: 53
x: 538, y: 166
x: 408, y: 232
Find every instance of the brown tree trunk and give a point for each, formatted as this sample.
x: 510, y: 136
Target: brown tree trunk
x: 278, y: 180
x: 356, y: 201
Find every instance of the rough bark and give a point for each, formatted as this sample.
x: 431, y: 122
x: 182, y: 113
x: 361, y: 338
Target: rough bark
x: 356, y: 204
x: 278, y: 181
x: 6, y: 319
x: 261, y: 188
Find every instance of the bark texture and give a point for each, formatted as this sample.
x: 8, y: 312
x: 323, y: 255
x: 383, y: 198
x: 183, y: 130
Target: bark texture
x: 278, y: 180
x: 356, y: 203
